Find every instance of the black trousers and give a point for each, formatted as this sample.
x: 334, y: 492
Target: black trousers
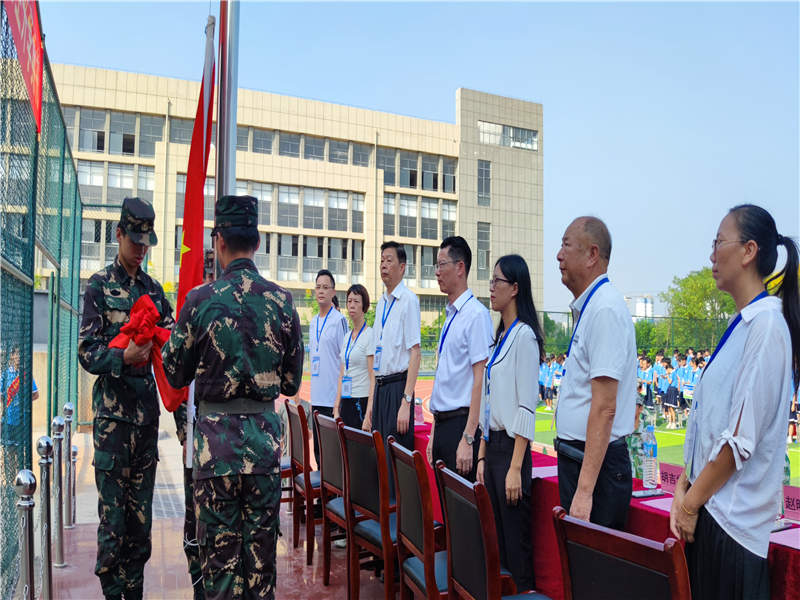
x: 612, y: 491
x: 722, y: 569
x: 447, y: 434
x: 323, y: 410
x: 513, y: 523
x: 385, y: 404
x: 352, y: 411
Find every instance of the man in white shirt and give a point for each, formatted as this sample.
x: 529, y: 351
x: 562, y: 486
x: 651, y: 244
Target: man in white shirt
x: 396, y: 352
x: 597, y: 400
x: 462, y: 352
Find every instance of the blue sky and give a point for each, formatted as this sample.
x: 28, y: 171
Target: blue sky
x: 657, y: 117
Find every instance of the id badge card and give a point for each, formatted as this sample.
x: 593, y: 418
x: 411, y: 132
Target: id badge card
x: 347, y: 387
x: 376, y: 361
x: 315, y: 366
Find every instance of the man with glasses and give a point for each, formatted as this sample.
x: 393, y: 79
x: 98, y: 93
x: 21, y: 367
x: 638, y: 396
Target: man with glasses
x: 461, y: 358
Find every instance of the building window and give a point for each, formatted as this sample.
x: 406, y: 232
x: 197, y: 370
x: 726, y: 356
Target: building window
x: 449, y: 175
x: 289, y: 144
x: 337, y: 211
x: 429, y: 224
x: 428, y: 263
x: 430, y: 172
x: 91, y: 181
x: 312, y: 257
x: 357, y: 262
x: 263, y: 193
x: 180, y: 194
x: 120, y: 183
x: 180, y: 130
x: 432, y: 303
x: 484, y: 183
x: 313, y: 208
x: 448, y: 218
x: 92, y: 133
x: 410, y: 276
x: 287, y: 258
x: 151, y: 130
x: 90, y: 244
x: 122, y: 133
x: 408, y: 170
x: 357, y: 213
x: 489, y: 133
x: 388, y: 214
x: 262, y: 141
x: 111, y: 241
x: 337, y: 256
x: 508, y: 136
x: 338, y: 151
x: 262, y: 254
x: 178, y: 243
x: 242, y: 188
x: 209, y: 197
x: 314, y: 148
x: 361, y: 155
x: 288, y: 201
x: 242, y: 138
x: 386, y: 160
x: 408, y: 216
x: 146, y: 182
x: 483, y: 251
x: 69, y: 116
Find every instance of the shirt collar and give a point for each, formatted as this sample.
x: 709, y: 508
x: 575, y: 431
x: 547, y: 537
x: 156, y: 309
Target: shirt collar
x: 460, y: 301
x: 240, y: 264
x: 768, y: 303
x: 396, y: 292
x: 579, y: 302
x: 121, y: 273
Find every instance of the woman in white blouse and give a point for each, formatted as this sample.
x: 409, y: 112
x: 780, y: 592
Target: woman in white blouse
x: 508, y: 405
x: 356, y: 378
x: 726, y: 500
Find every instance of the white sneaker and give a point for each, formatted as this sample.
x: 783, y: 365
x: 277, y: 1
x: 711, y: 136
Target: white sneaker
x: 342, y: 543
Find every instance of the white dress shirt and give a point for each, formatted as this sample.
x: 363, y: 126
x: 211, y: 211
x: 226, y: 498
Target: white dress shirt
x: 747, y: 387
x: 400, y: 333
x: 469, y: 333
x: 359, y: 350
x: 325, y: 349
x: 513, y: 390
x: 603, y: 345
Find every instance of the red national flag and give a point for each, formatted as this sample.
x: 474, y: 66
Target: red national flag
x: 23, y: 19
x: 12, y: 391
x: 191, y: 268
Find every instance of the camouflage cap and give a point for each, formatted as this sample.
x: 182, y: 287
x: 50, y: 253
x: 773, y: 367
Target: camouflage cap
x: 136, y: 219
x: 235, y: 211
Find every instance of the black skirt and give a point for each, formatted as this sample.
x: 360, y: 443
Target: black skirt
x: 722, y: 569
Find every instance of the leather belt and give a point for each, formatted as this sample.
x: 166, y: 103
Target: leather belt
x: 236, y: 406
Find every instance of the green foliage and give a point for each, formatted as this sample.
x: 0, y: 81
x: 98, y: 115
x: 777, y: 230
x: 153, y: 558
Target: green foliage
x: 556, y: 335
x: 429, y: 334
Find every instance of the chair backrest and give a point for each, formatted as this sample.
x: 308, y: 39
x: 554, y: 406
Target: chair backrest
x: 414, y: 502
x: 365, y: 471
x: 598, y: 562
x: 298, y: 433
x: 472, y: 552
x: 330, y: 453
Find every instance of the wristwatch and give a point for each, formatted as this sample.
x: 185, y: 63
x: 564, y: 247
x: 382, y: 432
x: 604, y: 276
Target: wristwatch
x: 408, y: 398
x: 470, y: 439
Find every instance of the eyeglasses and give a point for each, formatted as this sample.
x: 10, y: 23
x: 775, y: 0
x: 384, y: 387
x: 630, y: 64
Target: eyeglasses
x: 493, y: 281
x: 716, y: 243
x: 440, y: 265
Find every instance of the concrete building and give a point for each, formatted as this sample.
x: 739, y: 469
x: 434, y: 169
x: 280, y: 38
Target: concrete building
x: 333, y: 181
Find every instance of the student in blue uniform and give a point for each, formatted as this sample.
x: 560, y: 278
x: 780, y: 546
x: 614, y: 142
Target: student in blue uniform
x: 542, y: 377
x: 548, y: 382
x: 670, y: 394
x: 647, y: 382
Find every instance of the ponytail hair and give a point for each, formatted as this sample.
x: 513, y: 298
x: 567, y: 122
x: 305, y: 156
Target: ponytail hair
x: 757, y: 224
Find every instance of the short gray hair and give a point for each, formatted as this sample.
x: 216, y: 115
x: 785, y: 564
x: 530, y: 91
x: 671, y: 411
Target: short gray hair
x: 598, y: 233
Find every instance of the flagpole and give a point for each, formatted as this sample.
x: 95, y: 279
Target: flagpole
x: 227, y: 97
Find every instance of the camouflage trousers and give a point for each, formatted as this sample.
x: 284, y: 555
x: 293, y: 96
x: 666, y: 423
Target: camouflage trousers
x: 237, y: 529
x: 190, y: 545
x: 125, y: 458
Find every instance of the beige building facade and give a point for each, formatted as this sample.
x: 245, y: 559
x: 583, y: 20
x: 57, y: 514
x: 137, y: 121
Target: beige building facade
x: 333, y: 181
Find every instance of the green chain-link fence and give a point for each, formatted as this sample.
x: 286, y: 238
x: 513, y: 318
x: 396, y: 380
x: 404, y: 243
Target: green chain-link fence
x: 40, y: 215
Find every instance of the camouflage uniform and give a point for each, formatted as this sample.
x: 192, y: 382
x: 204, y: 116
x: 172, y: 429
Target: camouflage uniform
x: 239, y: 338
x: 126, y: 411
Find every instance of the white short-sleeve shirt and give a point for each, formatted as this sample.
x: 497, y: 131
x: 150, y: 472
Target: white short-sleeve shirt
x: 401, y: 331
x: 359, y: 350
x: 603, y: 345
x: 325, y: 349
x: 469, y: 334
x: 747, y: 386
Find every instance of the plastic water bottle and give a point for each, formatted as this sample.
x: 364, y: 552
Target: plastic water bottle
x: 650, y: 467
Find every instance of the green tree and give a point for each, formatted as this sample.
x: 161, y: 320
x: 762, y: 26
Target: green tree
x: 556, y: 335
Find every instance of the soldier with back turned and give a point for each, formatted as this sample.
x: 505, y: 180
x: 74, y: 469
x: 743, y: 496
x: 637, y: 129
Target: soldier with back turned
x: 239, y: 338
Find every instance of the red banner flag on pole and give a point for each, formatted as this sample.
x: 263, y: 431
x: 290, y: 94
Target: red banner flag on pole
x: 191, y: 265
x: 23, y: 19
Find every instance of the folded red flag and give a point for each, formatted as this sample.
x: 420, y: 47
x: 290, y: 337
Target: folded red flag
x: 142, y: 328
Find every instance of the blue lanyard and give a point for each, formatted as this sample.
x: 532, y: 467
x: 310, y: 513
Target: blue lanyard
x: 449, y: 323
x: 347, y: 351
x: 730, y: 329
x: 386, y: 314
x: 583, y: 310
x: 319, y: 331
x: 497, y: 350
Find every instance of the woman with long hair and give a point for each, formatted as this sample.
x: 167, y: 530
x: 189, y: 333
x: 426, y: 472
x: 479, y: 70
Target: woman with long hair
x: 508, y: 405
x: 726, y: 500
